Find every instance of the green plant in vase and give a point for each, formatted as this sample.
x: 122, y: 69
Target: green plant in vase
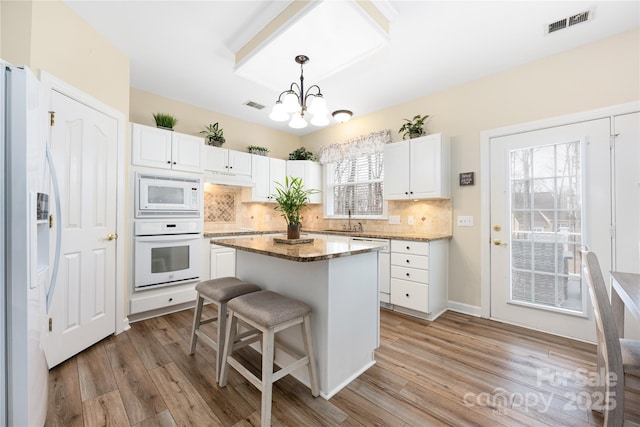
x: 214, y: 135
x: 291, y: 198
x: 414, y: 128
x: 166, y: 121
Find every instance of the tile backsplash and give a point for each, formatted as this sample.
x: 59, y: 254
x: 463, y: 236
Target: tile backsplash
x: 225, y: 211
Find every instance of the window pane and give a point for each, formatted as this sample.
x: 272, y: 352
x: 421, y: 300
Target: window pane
x: 356, y: 186
x: 546, y: 225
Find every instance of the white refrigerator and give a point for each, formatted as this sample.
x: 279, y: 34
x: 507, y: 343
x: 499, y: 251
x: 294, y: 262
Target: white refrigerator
x: 24, y: 252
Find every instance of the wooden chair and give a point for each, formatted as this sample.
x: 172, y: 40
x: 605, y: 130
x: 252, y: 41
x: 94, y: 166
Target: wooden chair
x: 620, y: 358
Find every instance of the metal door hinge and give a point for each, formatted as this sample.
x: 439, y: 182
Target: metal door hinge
x: 50, y: 324
x: 50, y: 221
x: 52, y: 118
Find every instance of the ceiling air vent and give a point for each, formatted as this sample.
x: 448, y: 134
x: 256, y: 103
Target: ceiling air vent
x: 254, y: 105
x: 569, y: 21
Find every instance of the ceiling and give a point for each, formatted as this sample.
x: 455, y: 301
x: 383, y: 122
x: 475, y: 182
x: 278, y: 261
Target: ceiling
x: 185, y: 50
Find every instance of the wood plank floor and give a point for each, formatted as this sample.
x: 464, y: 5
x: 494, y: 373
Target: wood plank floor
x: 458, y: 371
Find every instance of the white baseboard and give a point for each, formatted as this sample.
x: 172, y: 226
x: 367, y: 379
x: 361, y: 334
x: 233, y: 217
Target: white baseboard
x: 471, y: 310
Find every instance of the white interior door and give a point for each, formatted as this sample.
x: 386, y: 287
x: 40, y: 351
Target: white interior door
x: 550, y: 194
x: 84, y: 146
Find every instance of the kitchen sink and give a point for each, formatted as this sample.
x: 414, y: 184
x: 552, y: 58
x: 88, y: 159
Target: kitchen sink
x: 343, y: 231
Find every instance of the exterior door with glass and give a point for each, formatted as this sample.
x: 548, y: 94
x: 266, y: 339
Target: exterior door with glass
x: 550, y: 195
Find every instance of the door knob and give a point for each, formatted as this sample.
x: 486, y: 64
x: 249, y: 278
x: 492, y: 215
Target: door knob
x: 112, y: 236
x: 499, y: 242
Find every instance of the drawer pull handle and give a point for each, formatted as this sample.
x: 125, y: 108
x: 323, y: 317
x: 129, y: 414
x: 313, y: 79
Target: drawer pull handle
x: 170, y: 299
x: 407, y: 295
x: 407, y: 261
x: 408, y: 275
x: 408, y: 248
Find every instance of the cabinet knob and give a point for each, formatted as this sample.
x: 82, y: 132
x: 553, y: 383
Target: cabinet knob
x: 168, y: 162
x: 407, y: 261
x: 408, y: 248
x: 407, y: 295
x: 410, y: 192
x: 230, y: 167
x: 408, y: 275
x: 174, y: 163
x: 170, y: 299
x: 406, y: 192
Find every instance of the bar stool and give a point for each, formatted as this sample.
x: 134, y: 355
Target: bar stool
x: 269, y: 313
x: 218, y: 291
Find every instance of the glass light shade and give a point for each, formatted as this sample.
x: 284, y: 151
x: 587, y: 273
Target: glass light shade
x: 320, y: 120
x: 291, y: 102
x: 278, y: 113
x: 318, y: 106
x: 297, y: 121
x: 342, y: 116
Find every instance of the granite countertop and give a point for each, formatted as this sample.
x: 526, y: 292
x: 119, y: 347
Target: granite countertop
x: 319, y: 250
x: 364, y: 234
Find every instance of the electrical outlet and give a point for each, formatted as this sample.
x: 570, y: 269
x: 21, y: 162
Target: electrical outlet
x: 267, y: 218
x: 410, y: 220
x: 394, y: 219
x: 465, y: 221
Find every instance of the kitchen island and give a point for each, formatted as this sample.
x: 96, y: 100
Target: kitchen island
x: 340, y: 283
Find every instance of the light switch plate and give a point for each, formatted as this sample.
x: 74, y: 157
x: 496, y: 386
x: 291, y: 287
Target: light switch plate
x: 394, y: 219
x: 465, y: 221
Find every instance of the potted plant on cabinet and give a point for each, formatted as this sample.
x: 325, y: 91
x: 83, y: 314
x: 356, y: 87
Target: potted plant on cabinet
x: 414, y: 128
x: 214, y: 135
x: 256, y: 149
x: 291, y: 198
x: 301, y: 154
x: 165, y: 121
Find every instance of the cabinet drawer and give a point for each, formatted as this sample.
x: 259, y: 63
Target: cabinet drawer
x: 407, y: 247
x: 411, y: 274
x: 410, y: 295
x: 141, y: 303
x: 408, y: 260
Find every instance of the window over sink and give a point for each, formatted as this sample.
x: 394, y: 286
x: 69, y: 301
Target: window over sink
x: 354, y: 186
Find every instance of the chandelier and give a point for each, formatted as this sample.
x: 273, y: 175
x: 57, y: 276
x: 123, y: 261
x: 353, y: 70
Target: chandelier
x: 295, y: 102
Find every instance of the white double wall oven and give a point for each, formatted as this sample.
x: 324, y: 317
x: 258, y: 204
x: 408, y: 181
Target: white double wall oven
x: 167, y: 230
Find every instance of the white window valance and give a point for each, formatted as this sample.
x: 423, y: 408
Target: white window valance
x: 355, y: 147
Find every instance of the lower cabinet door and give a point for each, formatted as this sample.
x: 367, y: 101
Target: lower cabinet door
x: 414, y: 296
x: 223, y: 262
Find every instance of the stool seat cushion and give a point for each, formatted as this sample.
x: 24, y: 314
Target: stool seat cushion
x: 225, y: 288
x: 267, y: 308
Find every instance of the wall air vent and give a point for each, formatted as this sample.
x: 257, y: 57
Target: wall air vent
x: 569, y: 21
x: 254, y: 105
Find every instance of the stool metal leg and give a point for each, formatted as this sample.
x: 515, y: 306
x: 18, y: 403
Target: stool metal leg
x: 196, y: 324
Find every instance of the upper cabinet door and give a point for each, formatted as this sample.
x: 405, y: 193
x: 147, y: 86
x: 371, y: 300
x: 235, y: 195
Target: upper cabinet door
x: 240, y: 163
x: 430, y: 167
x: 260, y: 176
x: 277, y: 172
x: 311, y: 174
x: 216, y: 159
x: 396, y: 171
x: 151, y: 146
x: 187, y: 152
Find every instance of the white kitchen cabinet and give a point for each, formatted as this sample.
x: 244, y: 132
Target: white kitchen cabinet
x: 223, y: 262
x: 266, y: 171
x: 418, y: 284
x: 417, y: 168
x: 160, y: 299
x: 165, y: 149
x: 311, y: 174
x: 223, y: 160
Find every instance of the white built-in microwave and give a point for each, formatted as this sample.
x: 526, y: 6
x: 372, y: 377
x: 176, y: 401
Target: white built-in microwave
x: 161, y: 196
